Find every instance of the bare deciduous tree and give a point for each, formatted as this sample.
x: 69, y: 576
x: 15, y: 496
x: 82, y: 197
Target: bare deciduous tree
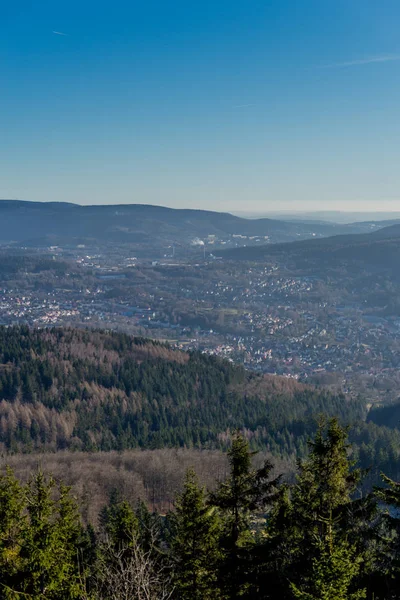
x: 130, y: 573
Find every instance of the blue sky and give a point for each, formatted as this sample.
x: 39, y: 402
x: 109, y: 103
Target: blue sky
x: 230, y: 105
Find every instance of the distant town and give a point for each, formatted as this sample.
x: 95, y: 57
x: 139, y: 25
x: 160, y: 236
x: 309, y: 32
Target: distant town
x: 263, y: 316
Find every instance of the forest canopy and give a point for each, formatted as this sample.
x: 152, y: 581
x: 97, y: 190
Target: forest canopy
x: 96, y: 390
x: 253, y: 537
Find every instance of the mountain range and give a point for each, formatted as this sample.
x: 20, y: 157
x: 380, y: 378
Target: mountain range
x: 94, y: 390
x: 39, y: 223
x: 378, y: 250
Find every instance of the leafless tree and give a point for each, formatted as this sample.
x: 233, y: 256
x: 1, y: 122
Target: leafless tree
x: 130, y: 573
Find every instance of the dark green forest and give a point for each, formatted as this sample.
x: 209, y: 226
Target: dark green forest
x: 378, y: 251
x: 253, y: 537
x: 327, y: 531
x: 21, y: 263
x: 96, y: 390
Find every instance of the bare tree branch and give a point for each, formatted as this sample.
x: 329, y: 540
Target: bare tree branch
x: 130, y: 573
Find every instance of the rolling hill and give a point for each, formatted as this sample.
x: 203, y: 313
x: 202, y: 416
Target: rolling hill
x: 377, y: 251
x: 53, y: 223
x: 94, y: 390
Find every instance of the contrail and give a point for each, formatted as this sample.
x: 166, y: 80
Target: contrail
x: 363, y: 61
x: 59, y: 33
x: 243, y: 105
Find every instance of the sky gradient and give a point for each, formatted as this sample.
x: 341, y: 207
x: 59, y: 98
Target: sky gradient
x: 224, y: 105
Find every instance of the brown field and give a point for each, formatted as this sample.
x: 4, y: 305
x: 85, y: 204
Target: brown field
x: 154, y: 476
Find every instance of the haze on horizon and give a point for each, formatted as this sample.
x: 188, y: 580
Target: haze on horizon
x: 236, y: 106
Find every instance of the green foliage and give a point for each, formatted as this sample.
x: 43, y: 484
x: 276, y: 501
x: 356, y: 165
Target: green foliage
x: 252, y: 537
x: 313, y: 519
x: 332, y: 574
x: 245, y: 492
x: 315, y: 539
x: 195, y: 531
x: 96, y: 390
x: 12, y: 525
x: 119, y: 522
x: 326, y: 481
x: 41, y: 536
x: 388, y: 561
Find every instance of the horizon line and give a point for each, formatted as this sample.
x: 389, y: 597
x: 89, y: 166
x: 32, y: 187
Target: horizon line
x: 232, y: 210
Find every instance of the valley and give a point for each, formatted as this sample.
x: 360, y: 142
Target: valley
x: 325, y: 311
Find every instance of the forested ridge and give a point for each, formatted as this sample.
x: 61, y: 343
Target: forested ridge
x: 254, y: 536
x: 374, y: 252
x: 94, y: 390
x: 51, y: 222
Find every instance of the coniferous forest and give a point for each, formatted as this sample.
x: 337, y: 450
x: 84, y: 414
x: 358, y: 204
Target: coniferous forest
x: 328, y: 530
x: 254, y: 536
x: 68, y: 389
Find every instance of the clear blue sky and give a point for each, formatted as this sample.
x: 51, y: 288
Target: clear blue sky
x: 231, y: 105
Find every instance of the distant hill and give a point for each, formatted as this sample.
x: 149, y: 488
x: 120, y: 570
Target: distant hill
x: 328, y: 216
x: 97, y: 390
x: 388, y: 416
x: 377, y: 250
x: 94, y: 390
x: 53, y: 223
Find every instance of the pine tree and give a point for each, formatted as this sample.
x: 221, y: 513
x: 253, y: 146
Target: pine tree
x: 119, y: 522
x: 388, y: 563
x: 332, y: 573
x: 316, y: 521
x: 194, y: 531
x: 245, y: 493
x: 11, y: 525
x: 50, y: 535
x: 150, y: 528
x: 128, y: 563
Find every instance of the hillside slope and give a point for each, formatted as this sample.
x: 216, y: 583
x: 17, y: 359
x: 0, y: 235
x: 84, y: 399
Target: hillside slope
x: 96, y: 390
x: 93, y: 390
x: 377, y: 250
x: 53, y: 222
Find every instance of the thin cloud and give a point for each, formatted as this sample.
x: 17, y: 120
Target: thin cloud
x: 59, y: 33
x: 363, y: 61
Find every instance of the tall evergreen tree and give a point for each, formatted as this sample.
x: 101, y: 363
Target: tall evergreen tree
x: 151, y: 528
x: 119, y: 522
x: 388, y: 563
x: 311, y: 533
x: 12, y: 522
x: 194, y: 529
x: 244, y: 494
x: 47, y: 565
x: 333, y: 571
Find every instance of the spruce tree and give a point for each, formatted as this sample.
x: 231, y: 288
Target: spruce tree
x: 48, y: 565
x: 245, y: 494
x: 310, y: 539
x: 333, y: 571
x: 12, y: 522
x: 150, y: 530
x: 119, y: 522
x: 388, y: 562
x: 194, y: 530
